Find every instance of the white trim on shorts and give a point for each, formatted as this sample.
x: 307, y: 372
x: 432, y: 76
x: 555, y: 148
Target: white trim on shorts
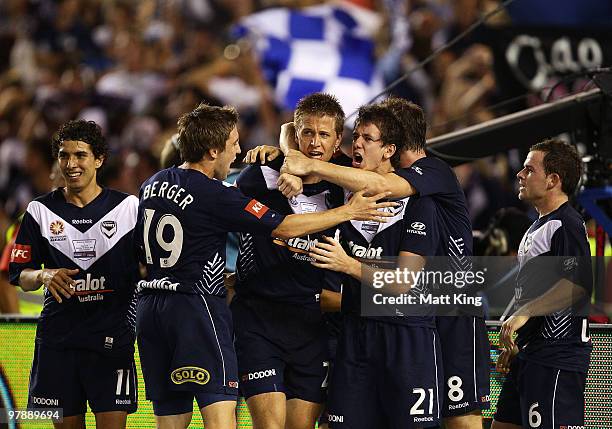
x: 436, y: 369
x: 217, y: 338
x: 474, y: 363
x: 554, y: 397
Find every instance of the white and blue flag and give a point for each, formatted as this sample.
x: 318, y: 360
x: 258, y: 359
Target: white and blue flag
x: 327, y: 48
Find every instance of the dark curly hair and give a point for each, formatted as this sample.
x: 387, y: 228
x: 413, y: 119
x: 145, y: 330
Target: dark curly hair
x: 561, y: 158
x: 86, y: 131
x: 320, y: 104
x: 391, y: 130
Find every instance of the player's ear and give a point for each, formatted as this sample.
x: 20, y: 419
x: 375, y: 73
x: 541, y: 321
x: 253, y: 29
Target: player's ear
x: 99, y: 161
x: 552, y: 180
x: 389, y: 150
x: 214, y: 153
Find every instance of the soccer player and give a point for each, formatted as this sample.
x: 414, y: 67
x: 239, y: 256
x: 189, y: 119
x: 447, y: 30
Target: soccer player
x: 281, y: 338
x: 545, y: 383
x: 465, y: 345
x: 388, y: 368
x: 82, y: 235
x: 184, y: 327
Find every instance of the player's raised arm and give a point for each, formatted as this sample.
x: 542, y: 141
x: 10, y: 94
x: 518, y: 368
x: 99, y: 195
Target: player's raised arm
x: 359, y: 207
x: 349, y: 178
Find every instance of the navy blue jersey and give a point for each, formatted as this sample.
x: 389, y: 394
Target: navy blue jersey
x: 555, y: 247
x: 183, y: 220
x: 276, y: 269
x: 451, y: 222
x: 434, y: 178
x: 96, y: 239
x: 376, y: 244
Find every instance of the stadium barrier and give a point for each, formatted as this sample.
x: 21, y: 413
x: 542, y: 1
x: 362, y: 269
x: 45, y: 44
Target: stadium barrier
x: 17, y: 346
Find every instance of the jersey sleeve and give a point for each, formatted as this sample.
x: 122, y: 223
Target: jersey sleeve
x: 253, y: 180
x: 429, y: 178
x: 29, y: 250
x: 240, y: 213
x: 571, y: 249
x: 420, y: 235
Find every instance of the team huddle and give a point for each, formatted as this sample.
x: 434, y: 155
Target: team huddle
x: 289, y: 332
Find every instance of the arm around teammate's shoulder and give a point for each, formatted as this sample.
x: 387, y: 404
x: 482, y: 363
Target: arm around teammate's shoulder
x: 359, y: 207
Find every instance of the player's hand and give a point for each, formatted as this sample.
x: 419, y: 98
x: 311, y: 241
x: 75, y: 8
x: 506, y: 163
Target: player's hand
x: 290, y: 185
x: 262, y: 153
x: 505, y: 359
x: 367, y: 209
x: 287, y: 139
x: 297, y: 163
x: 59, y: 282
x: 330, y: 255
x: 509, y: 328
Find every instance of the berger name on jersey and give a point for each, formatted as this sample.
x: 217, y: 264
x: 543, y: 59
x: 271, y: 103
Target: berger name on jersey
x: 172, y: 192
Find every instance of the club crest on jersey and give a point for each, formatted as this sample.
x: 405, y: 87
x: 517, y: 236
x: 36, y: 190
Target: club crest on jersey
x: 256, y: 208
x: 108, y: 228
x: 190, y: 374
x: 84, y: 249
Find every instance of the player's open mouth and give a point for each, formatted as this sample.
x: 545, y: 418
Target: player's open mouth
x: 74, y: 175
x: 315, y: 154
x: 357, y: 160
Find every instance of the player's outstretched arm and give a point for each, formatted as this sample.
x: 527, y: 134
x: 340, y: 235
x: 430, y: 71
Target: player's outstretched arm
x: 58, y: 281
x: 359, y: 207
x: 353, y: 179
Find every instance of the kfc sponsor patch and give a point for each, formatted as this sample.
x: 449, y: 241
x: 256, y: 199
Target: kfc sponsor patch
x: 21, y: 253
x: 256, y: 208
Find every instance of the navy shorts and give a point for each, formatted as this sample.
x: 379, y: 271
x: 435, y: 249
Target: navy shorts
x: 280, y: 349
x: 69, y: 378
x: 466, y: 358
x: 186, y: 350
x: 537, y: 396
x: 385, y: 375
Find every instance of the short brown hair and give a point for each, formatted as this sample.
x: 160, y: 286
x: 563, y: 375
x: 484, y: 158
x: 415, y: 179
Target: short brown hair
x: 320, y: 104
x: 561, y: 158
x: 205, y: 128
x: 391, y: 130
x: 412, y: 119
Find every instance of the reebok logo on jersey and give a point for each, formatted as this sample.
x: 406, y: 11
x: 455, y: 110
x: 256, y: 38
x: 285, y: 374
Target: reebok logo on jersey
x: 190, y: 374
x: 256, y: 208
x: 81, y: 221
x: 21, y: 253
x: 418, y: 170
